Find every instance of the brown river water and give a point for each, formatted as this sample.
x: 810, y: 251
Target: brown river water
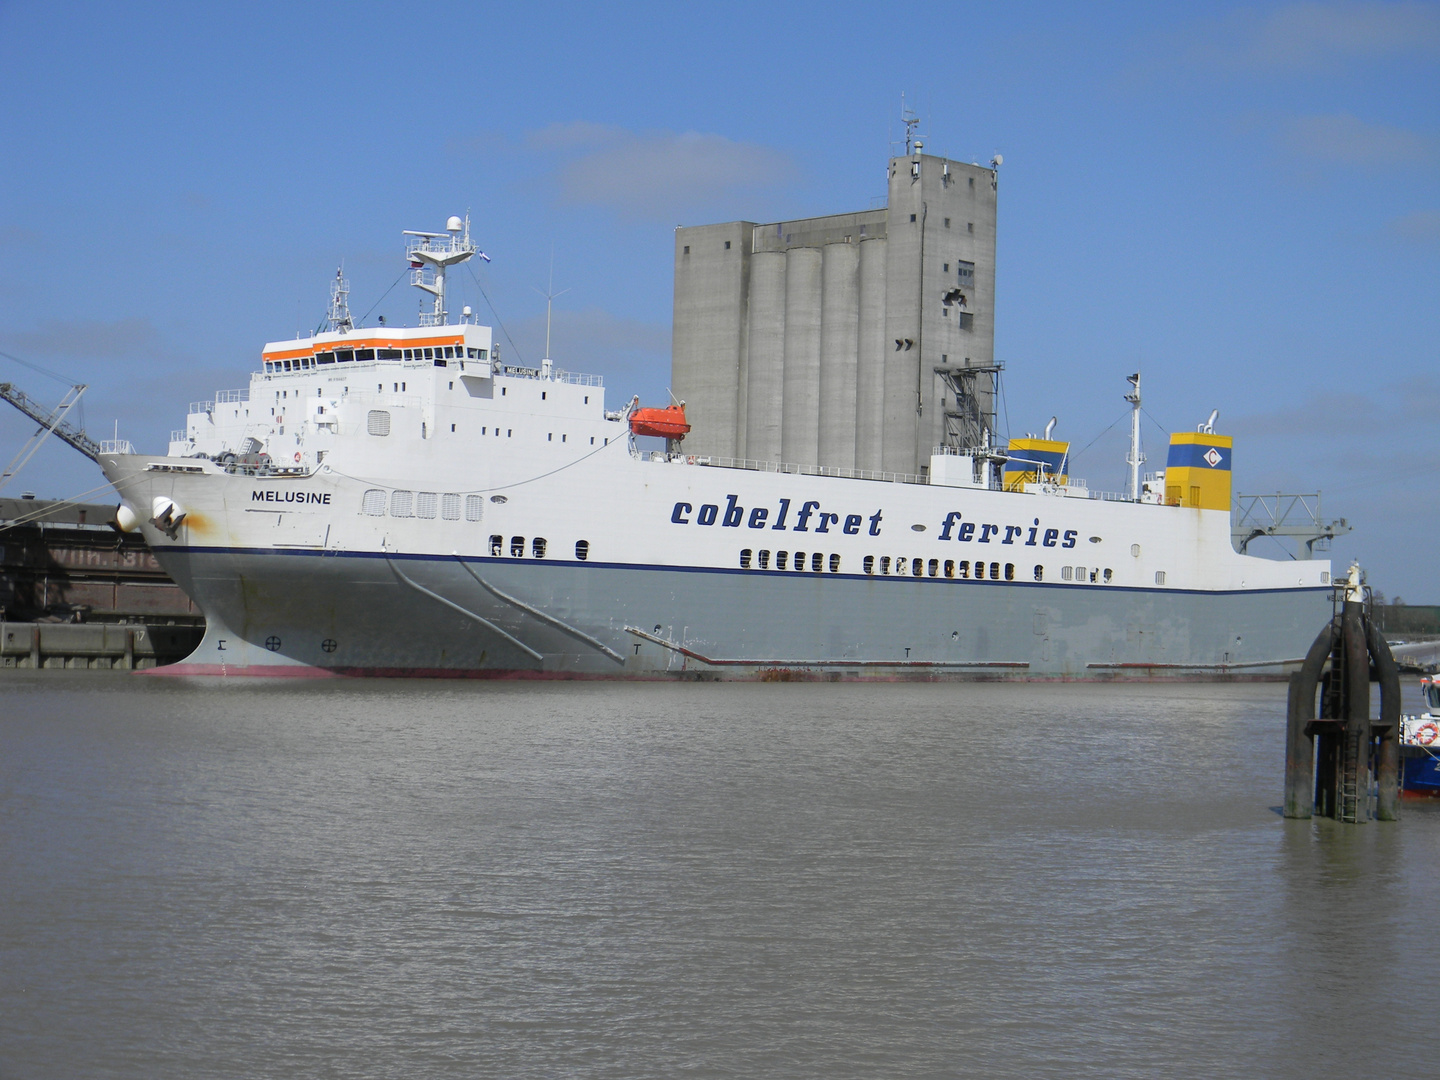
x: 446, y: 879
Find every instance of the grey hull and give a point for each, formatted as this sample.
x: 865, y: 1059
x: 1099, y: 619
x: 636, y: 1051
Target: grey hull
x: 274, y: 613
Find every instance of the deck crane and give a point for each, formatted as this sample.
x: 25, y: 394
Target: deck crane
x: 52, y: 422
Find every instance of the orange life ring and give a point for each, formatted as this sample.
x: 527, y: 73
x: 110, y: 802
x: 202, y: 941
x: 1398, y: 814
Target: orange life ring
x: 1426, y: 734
x: 297, y: 455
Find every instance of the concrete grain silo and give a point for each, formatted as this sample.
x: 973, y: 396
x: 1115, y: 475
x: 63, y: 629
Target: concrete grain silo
x: 851, y: 341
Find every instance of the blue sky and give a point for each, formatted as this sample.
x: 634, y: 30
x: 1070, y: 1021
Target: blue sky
x: 1243, y: 201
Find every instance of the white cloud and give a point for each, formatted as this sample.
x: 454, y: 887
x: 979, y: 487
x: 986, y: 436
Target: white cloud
x: 657, y: 174
x: 1421, y: 225
x: 86, y: 339
x: 1348, y: 140
x: 1315, y: 34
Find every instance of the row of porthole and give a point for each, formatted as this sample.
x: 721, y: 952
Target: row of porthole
x: 783, y: 560
x: 538, y: 546
x: 907, y: 567
x: 422, y: 504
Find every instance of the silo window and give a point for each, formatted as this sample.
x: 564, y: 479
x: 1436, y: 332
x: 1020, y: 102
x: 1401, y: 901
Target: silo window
x: 967, y: 320
x: 727, y: 245
x: 687, y: 249
x: 970, y: 226
x: 912, y: 217
x: 947, y: 225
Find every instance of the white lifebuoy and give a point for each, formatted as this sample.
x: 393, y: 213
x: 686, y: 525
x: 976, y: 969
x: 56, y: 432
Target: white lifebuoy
x: 1426, y: 734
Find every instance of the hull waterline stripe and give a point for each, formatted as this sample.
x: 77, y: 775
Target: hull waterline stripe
x: 564, y: 627
x: 1198, y: 667
x: 331, y: 553
x: 693, y: 655
x: 467, y: 613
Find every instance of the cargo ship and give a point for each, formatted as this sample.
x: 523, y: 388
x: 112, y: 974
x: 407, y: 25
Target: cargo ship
x: 402, y: 501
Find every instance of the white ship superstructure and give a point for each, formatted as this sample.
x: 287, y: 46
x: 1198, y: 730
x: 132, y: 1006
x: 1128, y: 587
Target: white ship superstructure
x: 400, y: 501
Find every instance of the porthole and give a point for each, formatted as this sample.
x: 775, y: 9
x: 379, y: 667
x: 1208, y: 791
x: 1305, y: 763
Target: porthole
x: 1009, y: 571
x: 497, y: 545
x: 950, y: 568
x: 1108, y: 575
x: 499, y: 498
x: 781, y: 558
x: 817, y: 562
x: 517, y: 547
x: 537, y: 547
x: 1159, y: 577
x: 745, y: 554
x: 934, y: 568
x: 799, y: 563
x: 1066, y: 573
x: 582, y: 550
x: 1039, y: 573
x: 834, y: 564
x: 868, y: 564
x: 964, y: 569
x: 994, y: 571
x: 885, y: 564
x: 1135, y: 550
x: 764, y: 559
x: 917, y: 567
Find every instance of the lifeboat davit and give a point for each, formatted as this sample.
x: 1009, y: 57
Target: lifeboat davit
x: 666, y: 423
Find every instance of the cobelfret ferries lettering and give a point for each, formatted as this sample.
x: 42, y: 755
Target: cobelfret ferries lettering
x: 399, y: 501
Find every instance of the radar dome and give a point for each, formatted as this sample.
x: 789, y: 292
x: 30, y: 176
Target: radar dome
x: 454, y: 224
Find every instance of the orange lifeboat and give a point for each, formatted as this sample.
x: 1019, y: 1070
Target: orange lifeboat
x: 666, y: 423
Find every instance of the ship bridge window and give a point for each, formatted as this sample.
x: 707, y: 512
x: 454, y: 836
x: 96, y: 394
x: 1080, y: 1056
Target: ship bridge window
x: 324, y: 358
x: 426, y: 503
x: 388, y: 354
x: 344, y: 356
x: 582, y: 549
x: 377, y: 422
x: 474, y: 507
x: 450, y: 506
x: 373, y: 503
x: 402, y: 504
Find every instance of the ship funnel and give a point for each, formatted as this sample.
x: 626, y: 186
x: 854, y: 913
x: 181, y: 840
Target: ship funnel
x: 1050, y: 427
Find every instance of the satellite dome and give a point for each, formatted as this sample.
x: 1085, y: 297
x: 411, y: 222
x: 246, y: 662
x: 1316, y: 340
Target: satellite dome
x: 454, y: 224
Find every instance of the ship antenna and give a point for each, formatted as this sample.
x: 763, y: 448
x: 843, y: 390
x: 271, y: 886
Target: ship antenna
x: 431, y: 255
x: 1136, y: 457
x: 549, y: 293
x: 338, y: 317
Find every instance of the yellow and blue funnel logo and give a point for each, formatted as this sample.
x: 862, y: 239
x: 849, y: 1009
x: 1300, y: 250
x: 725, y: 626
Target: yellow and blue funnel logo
x: 1028, y: 461
x: 1197, y: 472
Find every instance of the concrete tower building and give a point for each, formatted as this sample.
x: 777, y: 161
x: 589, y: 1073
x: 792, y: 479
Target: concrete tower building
x: 852, y: 341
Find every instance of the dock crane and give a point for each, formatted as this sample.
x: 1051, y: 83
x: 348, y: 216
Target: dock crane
x: 54, y: 422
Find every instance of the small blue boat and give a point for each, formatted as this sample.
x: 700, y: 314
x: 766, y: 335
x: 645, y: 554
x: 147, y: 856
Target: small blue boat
x: 1420, y: 746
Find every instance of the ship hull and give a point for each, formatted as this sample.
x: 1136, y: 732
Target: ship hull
x: 316, y: 613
